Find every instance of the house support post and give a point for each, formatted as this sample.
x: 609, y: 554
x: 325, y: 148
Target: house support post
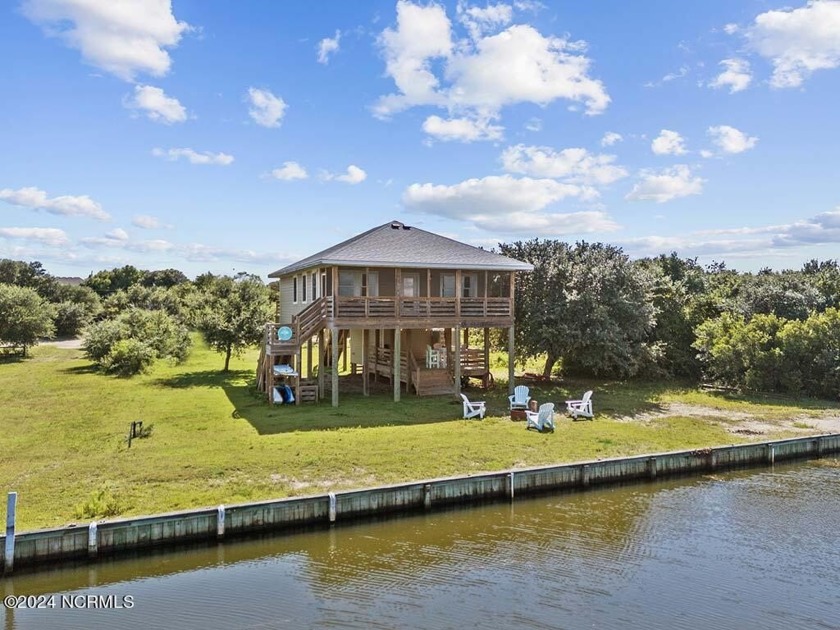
x: 334, y: 345
x: 511, y: 357
x: 321, y: 364
x: 365, y: 350
x: 486, y: 357
x: 457, y: 362
x: 396, y: 360
x: 309, y: 358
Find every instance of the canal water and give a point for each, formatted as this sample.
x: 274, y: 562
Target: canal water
x: 744, y: 550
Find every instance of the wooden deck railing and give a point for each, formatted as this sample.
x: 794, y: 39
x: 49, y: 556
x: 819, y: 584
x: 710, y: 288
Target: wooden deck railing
x: 420, y: 307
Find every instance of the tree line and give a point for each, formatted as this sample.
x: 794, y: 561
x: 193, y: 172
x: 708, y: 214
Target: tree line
x: 586, y: 309
x: 591, y: 310
x: 132, y: 317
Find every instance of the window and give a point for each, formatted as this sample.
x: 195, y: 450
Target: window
x: 314, y: 284
x: 469, y: 285
x: 349, y: 283
x: 303, y: 288
x: 447, y: 285
x: 370, y: 284
x: 294, y: 290
x: 411, y: 285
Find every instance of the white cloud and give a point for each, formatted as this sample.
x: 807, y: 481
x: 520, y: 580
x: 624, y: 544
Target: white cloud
x: 534, y: 124
x: 48, y: 236
x: 194, y: 157
x: 509, y: 205
x: 666, y: 185
x: 491, y: 196
x: 668, y: 143
x: 114, y: 238
x: 610, y: 138
x: 575, y: 165
x: 145, y: 221
x: 463, y: 129
x: 327, y: 46
x: 822, y: 229
x: 266, y: 108
x: 731, y: 140
x: 354, y: 175
x: 118, y: 234
x: 798, y: 41
x: 479, y: 75
x: 731, y: 28
x: 736, y: 75
x: 156, y: 105
x: 290, y: 171
x: 68, y: 205
x: 671, y: 76
x: 123, y: 38
x: 705, y: 153
x: 481, y: 20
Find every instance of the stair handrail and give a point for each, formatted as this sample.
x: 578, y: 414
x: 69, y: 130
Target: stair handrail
x: 309, y: 320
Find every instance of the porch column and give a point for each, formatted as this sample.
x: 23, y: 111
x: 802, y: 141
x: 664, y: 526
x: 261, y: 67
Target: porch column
x: 365, y: 338
x: 299, y: 370
x: 511, y: 355
x: 321, y: 366
x: 344, y: 351
x: 487, y: 356
x: 456, y: 364
x: 334, y: 345
x: 395, y: 359
x: 309, y: 359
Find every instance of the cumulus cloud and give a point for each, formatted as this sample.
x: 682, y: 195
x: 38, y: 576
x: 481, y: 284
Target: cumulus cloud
x: 194, y: 157
x: 798, y: 42
x: 731, y: 140
x: 68, y: 205
x: 574, y: 165
x: 145, y: 221
x: 462, y: 129
x: 509, y: 204
x: 156, y: 105
x: 354, y: 175
x: 476, y: 76
x: 668, y: 143
x: 736, y: 75
x: 610, y: 138
x: 493, y: 195
x: 823, y: 228
x: 266, y: 108
x: 122, y: 38
x: 327, y: 46
x: 665, y: 185
x: 290, y: 171
x: 47, y: 236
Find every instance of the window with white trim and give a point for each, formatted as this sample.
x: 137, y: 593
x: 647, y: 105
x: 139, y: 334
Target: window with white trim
x: 294, y: 289
x: 447, y: 285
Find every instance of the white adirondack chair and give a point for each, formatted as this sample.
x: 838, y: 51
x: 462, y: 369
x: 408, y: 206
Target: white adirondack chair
x: 543, y: 420
x: 473, y: 409
x: 520, y: 398
x: 582, y: 407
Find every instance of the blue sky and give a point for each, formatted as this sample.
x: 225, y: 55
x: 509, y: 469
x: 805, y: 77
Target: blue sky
x: 242, y: 135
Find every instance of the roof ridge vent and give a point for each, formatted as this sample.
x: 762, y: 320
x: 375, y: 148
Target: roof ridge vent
x: 397, y: 225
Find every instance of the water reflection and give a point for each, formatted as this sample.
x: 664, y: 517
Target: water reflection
x: 743, y: 550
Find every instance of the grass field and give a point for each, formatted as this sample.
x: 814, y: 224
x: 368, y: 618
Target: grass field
x: 214, y: 440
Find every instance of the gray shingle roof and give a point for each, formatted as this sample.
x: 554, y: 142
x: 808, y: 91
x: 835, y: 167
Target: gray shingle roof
x: 396, y: 245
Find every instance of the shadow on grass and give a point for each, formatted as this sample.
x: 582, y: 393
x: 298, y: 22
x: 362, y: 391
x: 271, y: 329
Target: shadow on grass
x: 355, y: 410
x: 775, y: 400
x: 90, y: 368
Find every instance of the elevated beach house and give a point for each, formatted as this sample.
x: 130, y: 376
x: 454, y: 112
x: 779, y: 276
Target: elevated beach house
x: 396, y: 302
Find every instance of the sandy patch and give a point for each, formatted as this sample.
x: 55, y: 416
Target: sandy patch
x: 743, y: 423
x: 70, y: 344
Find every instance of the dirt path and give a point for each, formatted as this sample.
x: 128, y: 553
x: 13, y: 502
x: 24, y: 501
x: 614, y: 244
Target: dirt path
x: 743, y: 423
x: 71, y: 344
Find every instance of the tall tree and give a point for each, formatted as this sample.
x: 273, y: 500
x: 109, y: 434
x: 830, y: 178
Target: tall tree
x: 24, y: 316
x: 587, y: 305
x: 234, y: 314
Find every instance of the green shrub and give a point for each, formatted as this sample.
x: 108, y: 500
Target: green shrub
x: 102, y: 503
x: 128, y: 357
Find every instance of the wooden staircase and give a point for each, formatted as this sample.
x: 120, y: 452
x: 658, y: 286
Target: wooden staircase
x: 432, y: 382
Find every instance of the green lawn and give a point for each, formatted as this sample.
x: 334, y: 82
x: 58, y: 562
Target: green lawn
x: 214, y: 440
